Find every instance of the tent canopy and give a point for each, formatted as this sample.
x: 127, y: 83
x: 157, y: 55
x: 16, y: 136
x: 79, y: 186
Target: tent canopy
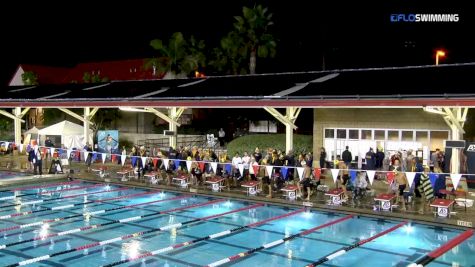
x: 62, y: 128
x: 33, y: 130
x: 72, y: 134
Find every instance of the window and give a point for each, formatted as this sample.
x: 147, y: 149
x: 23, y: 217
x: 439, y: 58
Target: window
x: 353, y: 134
x: 407, y: 135
x: 422, y: 137
x: 379, y: 135
x: 366, y: 134
x: 393, y: 135
x: 329, y: 133
x: 341, y: 133
x: 437, y: 139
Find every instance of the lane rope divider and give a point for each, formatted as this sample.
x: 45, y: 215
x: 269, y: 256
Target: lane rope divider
x: 194, y: 241
x: 24, y: 203
x: 276, y: 242
x: 40, y: 186
x: 428, y: 258
x: 84, y: 228
x: 8, y: 216
x: 120, y: 238
x: 342, y: 251
x: 22, y: 226
x: 48, y: 192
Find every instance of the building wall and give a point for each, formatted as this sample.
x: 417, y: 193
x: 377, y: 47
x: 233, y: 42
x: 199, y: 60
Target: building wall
x: 397, y: 118
x: 135, y: 122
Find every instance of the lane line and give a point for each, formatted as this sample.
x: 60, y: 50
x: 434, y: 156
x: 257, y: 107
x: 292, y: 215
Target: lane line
x: 40, y: 186
x: 343, y: 250
x: 428, y: 258
x: 8, y: 216
x: 194, y: 241
x: 53, y: 199
x: 48, y: 192
x: 93, y: 212
x: 120, y: 238
x: 275, y: 243
x: 84, y: 228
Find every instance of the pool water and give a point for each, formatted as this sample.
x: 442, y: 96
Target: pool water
x: 9, y: 174
x: 32, y: 235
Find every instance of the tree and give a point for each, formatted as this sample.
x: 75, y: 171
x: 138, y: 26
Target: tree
x: 179, y: 57
x: 29, y: 78
x: 51, y: 116
x: 253, y: 27
x: 87, y: 77
x: 6, y: 128
x: 104, y: 119
x: 249, y: 39
x: 230, y: 56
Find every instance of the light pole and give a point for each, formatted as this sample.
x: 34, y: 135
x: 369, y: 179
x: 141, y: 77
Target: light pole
x: 439, y: 53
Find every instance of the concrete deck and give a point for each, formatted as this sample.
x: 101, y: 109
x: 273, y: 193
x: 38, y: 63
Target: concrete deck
x: 415, y: 211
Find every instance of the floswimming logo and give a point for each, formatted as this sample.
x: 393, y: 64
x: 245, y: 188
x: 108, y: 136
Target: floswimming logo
x: 424, y: 17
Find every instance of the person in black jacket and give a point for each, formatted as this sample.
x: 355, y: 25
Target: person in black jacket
x: 323, y: 158
x: 88, y: 148
x: 48, y: 142
x: 37, y: 159
x: 347, y: 157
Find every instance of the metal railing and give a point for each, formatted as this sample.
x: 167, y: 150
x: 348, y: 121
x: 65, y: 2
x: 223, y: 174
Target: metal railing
x: 182, y: 141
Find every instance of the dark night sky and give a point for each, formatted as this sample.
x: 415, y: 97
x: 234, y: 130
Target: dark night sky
x: 349, y: 34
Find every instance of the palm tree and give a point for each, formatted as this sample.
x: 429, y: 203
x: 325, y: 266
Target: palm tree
x: 253, y: 27
x: 178, y: 58
x: 230, y: 55
x: 29, y: 78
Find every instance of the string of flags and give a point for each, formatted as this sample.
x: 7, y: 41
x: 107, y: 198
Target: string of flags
x: 254, y: 169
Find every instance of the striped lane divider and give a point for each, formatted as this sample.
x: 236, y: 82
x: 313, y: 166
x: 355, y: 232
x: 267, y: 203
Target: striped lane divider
x: 342, y: 251
x: 49, y: 192
x: 275, y: 243
x: 84, y: 228
x: 212, y: 236
x: 428, y: 258
x: 8, y: 216
x: 22, y: 226
x: 40, y: 186
x: 51, y: 199
x: 120, y: 238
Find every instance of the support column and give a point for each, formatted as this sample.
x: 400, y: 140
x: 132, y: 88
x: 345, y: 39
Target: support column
x: 454, y: 160
x: 455, y: 119
x: 85, y: 124
x: 17, y: 124
x: 172, y: 113
x: 289, y: 132
x: 16, y: 117
x: 289, y: 121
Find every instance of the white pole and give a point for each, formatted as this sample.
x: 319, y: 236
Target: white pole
x: 289, y: 131
x: 87, y: 138
x: 172, y: 112
x: 17, y: 125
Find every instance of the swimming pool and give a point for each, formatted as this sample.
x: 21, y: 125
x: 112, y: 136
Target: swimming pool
x: 9, y: 174
x: 85, y: 224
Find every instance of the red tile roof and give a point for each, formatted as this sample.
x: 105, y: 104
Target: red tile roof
x: 45, y: 74
x: 119, y: 70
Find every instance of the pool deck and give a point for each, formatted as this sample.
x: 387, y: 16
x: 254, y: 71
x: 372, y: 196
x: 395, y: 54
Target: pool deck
x: 415, y: 211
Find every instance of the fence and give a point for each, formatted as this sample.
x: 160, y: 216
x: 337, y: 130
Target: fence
x: 182, y: 141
